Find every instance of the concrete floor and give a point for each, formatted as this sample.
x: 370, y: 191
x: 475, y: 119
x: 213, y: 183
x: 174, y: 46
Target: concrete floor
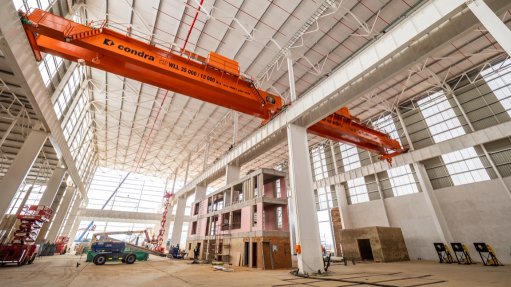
x: 62, y: 271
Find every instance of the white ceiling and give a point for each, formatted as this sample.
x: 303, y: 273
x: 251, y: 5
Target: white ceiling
x: 149, y: 130
x: 145, y: 129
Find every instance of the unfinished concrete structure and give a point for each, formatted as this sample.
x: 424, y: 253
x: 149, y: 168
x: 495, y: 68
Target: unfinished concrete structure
x: 379, y: 244
x: 244, y: 223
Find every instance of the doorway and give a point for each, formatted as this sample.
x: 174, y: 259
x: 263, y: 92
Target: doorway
x: 364, y: 247
x: 254, y: 254
x: 245, y: 254
x: 198, y: 249
x: 267, y: 256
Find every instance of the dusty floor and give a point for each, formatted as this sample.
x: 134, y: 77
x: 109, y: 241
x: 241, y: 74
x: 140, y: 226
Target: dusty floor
x: 62, y: 271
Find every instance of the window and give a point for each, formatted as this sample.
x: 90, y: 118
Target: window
x: 64, y: 98
x: 225, y: 221
x: 464, y: 166
x: 401, y: 178
x: 26, y: 4
x: 325, y: 230
x: 357, y: 190
x: 236, y: 219
x: 498, y: 78
x: 350, y: 157
x: 278, y: 192
x: 138, y: 193
x: 440, y: 117
x: 279, y: 217
x: 254, y: 216
x: 196, y: 208
x: 402, y: 181
x: 111, y: 226
x: 36, y: 192
x: 319, y: 162
x: 48, y: 67
x: 324, y: 198
x: 356, y: 187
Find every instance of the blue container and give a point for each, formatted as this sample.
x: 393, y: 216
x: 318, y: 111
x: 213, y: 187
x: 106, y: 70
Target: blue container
x: 113, y: 247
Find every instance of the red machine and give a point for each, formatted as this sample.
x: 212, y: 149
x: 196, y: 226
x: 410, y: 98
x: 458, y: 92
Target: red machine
x: 22, y: 249
x: 61, y: 244
x: 215, y: 79
x: 160, y: 247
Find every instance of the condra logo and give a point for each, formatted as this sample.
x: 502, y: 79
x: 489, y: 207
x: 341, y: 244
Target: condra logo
x: 127, y: 49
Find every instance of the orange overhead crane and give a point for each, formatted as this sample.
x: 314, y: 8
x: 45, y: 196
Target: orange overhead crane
x: 215, y: 79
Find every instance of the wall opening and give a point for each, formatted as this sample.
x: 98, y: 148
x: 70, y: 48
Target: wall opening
x: 364, y: 247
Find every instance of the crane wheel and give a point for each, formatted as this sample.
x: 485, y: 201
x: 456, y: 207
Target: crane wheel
x: 99, y: 259
x: 130, y: 258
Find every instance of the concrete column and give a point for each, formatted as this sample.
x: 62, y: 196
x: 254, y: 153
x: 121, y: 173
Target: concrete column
x: 438, y: 216
x: 380, y: 192
x: 405, y: 130
x: 20, y: 168
x: 441, y: 226
x: 206, y: 154
x: 235, y: 120
x: 302, y: 190
x: 167, y: 225
x: 72, y: 216
x: 260, y: 185
x: 334, y: 158
x: 291, y: 211
x: 41, y: 237
x: 232, y: 174
x: 178, y: 221
x: 342, y: 201
x: 330, y: 160
x: 187, y: 168
x: 74, y: 228
x: 200, y: 192
x: 492, y: 23
x: 58, y: 217
x: 53, y: 186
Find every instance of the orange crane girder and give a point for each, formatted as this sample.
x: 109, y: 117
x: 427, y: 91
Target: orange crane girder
x: 215, y: 79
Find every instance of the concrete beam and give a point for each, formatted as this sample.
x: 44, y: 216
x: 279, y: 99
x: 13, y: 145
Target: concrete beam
x: 20, y: 167
x: 232, y: 174
x: 60, y: 214
x: 177, y: 227
x: 492, y: 23
x: 53, y: 186
x: 72, y: 217
x: 113, y: 215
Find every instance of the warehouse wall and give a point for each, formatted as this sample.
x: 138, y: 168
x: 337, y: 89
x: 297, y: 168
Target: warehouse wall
x: 475, y: 212
x: 478, y: 212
